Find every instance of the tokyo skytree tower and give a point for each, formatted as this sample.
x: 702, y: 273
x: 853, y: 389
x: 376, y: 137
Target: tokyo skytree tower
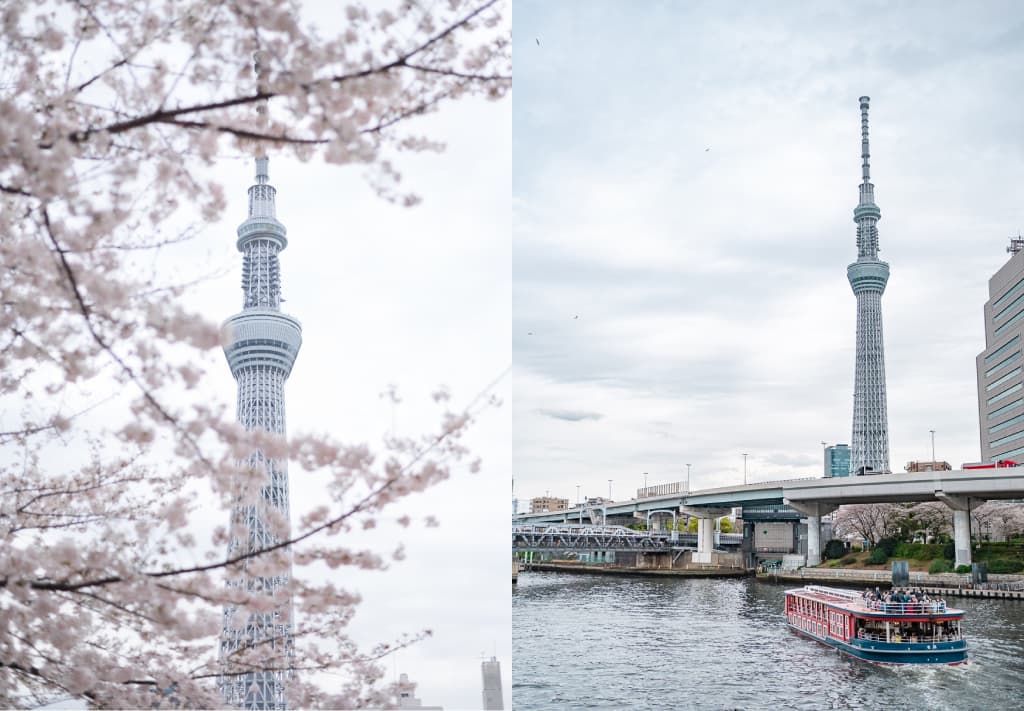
x: 262, y: 344
x: 868, y: 277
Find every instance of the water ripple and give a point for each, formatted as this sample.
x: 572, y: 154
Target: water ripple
x: 591, y: 642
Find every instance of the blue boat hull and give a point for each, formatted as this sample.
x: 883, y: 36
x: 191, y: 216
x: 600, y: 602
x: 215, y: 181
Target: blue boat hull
x: 896, y: 653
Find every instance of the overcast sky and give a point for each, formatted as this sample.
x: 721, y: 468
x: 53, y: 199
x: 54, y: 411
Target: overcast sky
x: 684, y: 178
x: 415, y: 297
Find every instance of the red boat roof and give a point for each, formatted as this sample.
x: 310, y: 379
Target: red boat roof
x: 854, y: 602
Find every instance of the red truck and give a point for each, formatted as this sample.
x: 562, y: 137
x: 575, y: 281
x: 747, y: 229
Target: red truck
x: 1001, y: 464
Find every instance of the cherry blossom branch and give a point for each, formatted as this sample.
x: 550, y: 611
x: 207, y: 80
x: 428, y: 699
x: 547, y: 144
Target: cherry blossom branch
x: 90, y: 326
x: 332, y: 523
x: 71, y: 493
x: 33, y: 672
x: 408, y: 113
x: 168, y: 115
x: 458, y: 75
x: 28, y: 431
x: 14, y: 191
x: 244, y: 132
x: 452, y: 28
x: 59, y: 421
x: 114, y: 604
x: 359, y: 507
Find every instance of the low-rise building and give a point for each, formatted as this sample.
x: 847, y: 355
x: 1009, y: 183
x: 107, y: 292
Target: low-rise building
x: 929, y: 467
x: 408, y: 700
x: 540, y: 504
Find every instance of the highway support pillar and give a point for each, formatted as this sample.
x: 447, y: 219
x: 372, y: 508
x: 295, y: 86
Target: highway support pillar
x: 705, y: 540
x: 814, y: 511
x: 961, y: 506
x: 705, y: 530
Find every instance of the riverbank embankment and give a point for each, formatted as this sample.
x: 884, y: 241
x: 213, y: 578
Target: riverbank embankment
x: 708, y: 572
x: 1005, y: 587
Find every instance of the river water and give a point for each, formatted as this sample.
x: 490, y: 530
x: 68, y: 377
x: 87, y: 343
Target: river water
x: 609, y: 642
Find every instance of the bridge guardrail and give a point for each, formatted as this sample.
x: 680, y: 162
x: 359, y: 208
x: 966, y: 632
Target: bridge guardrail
x: 574, y: 536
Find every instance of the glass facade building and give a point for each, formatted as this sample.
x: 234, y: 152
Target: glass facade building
x: 837, y: 460
x: 999, y: 370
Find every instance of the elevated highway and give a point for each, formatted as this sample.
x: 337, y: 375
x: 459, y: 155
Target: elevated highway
x: 959, y: 489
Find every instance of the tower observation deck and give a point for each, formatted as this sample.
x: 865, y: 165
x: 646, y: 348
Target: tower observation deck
x: 261, y: 346
x: 868, y: 276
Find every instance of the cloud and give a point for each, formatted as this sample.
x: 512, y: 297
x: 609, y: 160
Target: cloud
x: 570, y: 415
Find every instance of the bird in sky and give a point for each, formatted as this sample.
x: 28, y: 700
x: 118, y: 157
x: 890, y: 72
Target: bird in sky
x: 538, y: 41
x: 706, y: 150
x: 530, y: 333
x: 576, y: 317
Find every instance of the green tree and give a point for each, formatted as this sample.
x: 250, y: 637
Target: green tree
x: 834, y: 549
x: 878, y: 557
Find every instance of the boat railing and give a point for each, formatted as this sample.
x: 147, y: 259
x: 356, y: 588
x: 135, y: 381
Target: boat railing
x: 871, y: 636
x: 930, y: 607
x: 833, y: 592
x: 912, y: 639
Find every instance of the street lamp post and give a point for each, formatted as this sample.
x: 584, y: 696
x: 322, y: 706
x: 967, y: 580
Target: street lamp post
x: 687, y: 478
x: 579, y: 506
x: 933, y: 449
x: 744, y: 469
x: 609, y: 489
x: 645, y: 483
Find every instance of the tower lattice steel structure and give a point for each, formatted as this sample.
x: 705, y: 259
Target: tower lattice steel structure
x: 262, y: 344
x: 868, y: 277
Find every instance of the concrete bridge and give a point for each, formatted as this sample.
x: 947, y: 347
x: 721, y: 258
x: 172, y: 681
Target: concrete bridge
x: 960, y: 490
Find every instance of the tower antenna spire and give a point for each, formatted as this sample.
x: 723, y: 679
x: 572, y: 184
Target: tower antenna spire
x: 865, y: 151
x: 262, y: 163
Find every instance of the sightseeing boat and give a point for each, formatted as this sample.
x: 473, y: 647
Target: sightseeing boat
x: 875, y: 631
